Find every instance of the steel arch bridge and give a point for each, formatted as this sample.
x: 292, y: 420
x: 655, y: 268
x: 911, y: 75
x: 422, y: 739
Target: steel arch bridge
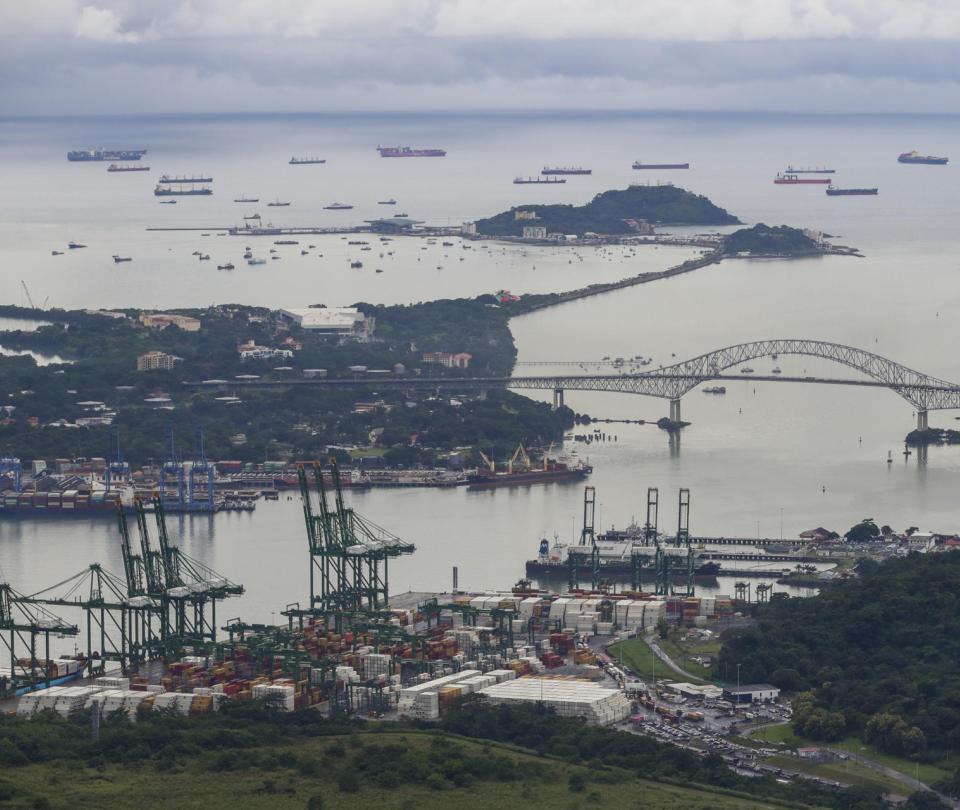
x: 922, y: 391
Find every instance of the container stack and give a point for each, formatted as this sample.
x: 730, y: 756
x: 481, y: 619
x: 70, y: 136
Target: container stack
x: 64, y: 700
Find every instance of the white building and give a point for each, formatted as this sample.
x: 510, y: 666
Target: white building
x: 534, y: 231
x: 751, y: 693
x: 596, y: 704
x: 344, y: 322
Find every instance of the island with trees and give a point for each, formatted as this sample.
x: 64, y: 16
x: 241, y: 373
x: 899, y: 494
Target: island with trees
x: 615, y: 212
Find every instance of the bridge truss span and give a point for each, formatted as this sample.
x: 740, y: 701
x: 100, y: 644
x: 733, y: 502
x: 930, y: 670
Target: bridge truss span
x: 921, y: 390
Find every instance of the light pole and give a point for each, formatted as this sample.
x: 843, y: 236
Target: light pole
x: 738, y: 688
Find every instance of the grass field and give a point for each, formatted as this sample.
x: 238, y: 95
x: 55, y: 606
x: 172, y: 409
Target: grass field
x: 636, y: 653
x: 680, y: 651
x: 544, y: 783
x: 926, y: 773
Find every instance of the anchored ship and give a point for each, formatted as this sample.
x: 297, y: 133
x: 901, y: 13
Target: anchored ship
x: 166, y: 178
x: 408, y: 151
x: 244, y: 199
x: 550, y: 181
x: 295, y: 161
x: 638, y: 165
x: 915, y: 157
x: 818, y: 170
x: 337, y: 207
x: 105, y: 154
x: 565, y: 170
x: 114, y: 167
x: 166, y: 191
x: 833, y: 191
x: 794, y: 180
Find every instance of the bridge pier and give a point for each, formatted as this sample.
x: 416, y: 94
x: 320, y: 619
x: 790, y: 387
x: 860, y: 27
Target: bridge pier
x: 922, y: 423
x: 557, y: 398
x: 674, y: 410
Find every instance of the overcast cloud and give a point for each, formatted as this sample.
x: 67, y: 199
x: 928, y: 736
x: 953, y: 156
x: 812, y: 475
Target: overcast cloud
x: 73, y: 56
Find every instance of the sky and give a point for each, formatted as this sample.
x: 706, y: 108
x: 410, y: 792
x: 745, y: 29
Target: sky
x: 162, y: 56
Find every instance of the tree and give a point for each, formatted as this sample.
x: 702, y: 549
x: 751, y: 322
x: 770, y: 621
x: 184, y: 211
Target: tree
x: 663, y: 628
x: 863, y: 532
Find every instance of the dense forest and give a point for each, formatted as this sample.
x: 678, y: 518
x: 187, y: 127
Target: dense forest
x: 297, y: 422
x: 610, y: 212
x: 767, y: 240
x: 875, y: 656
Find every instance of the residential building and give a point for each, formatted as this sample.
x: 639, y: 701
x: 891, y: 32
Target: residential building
x: 251, y: 351
x: 151, y: 361
x: 161, y: 320
x: 534, y: 231
x: 448, y: 359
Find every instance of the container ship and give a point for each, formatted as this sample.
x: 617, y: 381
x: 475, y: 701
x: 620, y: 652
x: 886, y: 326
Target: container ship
x: 305, y: 161
x: 915, y: 157
x: 833, y: 191
x: 116, y: 167
x: 407, y: 151
x: 615, y: 549
x: 818, y: 170
x: 565, y: 170
x: 550, y: 181
x: 794, y: 180
x: 65, y: 503
x: 166, y: 191
x: 106, y: 154
x: 166, y: 178
x: 638, y: 165
x: 61, y: 671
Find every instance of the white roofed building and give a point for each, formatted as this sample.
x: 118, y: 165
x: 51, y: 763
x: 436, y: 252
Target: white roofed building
x: 344, y: 322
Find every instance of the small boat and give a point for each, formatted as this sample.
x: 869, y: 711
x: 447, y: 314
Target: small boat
x: 304, y: 252
x: 276, y: 257
x: 255, y: 216
x: 75, y: 245
x: 399, y: 216
x: 746, y: 370
x: 248, y: 255
x: 776, y: 370
x: 256, y: 261
x: 391, y: 201
x: 168, y: 202
x: 243, y: 199
x: 117, y: 259
x: 286, y: 242
x: 277, y: 204
x: 227, y: 266
x: 337, y: 207
x: 204, y: 257
x: 889, y: 457
x: 356, y: 265
x: 56, y: 253
x: 379, y: 270
x: 304, y: 161
x: 715, y: 389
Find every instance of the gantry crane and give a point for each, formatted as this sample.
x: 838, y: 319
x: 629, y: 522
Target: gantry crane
x: 577, y: 555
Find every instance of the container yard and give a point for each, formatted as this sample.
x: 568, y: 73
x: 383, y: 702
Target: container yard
x: 152, y: 640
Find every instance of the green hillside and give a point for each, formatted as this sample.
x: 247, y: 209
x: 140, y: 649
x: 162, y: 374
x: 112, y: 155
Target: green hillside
x: 610, y: 212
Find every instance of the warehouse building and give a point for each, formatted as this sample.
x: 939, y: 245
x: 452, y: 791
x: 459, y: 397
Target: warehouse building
x: 596, y: 704
x: 751, y: 693
x: 342, y: 322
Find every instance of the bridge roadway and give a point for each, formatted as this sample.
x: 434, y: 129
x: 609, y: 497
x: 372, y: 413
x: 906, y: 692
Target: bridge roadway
x: 922, y: 391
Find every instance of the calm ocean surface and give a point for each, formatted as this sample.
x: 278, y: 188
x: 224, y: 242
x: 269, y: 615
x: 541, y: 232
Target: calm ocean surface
x: 818, y: 453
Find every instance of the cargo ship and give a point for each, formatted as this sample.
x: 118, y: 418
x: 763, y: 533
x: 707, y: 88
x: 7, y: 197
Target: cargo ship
x: 915, y: 157
x: 550, y: 181
x: 408, y: 151
x: 638, y: 165
x: 794, y: 180
x: 337, y: 207
x: 66, y: 503
x: 818, y: 170
x: 166, y: 178
x: 163, y: 191
x: 61, y: 670
x: 244, y: 199
x: 116, y: 167
x: 551, y: 470
x: 833, y: 191
x: 105, y: 154
x: 615, y: 550
x: 295, y: 161
x: 565, y: 170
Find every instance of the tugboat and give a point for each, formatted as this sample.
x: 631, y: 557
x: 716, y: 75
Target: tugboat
x: 117, y: 259
x: 227, y: 266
